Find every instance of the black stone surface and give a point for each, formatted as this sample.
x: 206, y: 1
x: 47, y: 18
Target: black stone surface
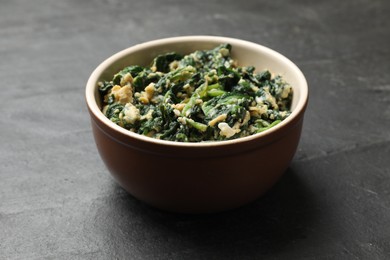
x: 57, y: 200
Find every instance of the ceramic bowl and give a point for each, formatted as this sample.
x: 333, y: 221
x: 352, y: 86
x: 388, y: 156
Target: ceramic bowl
x: 206, y: 176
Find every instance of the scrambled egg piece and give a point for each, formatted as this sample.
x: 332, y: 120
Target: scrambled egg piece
x: 123, y: 94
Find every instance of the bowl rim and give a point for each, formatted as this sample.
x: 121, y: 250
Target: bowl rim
x: 100, y: 69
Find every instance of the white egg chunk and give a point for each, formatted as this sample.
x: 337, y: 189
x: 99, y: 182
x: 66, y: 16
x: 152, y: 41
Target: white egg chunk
x: 226, y: 130
x: 123, y: 94
x: 147, y: 95
x: 131, y: 113
x: 286, y: 90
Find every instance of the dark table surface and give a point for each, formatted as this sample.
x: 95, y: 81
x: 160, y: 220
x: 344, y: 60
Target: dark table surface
x: 57, y: 200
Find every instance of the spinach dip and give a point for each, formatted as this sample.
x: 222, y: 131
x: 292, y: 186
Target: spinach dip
x: 202, y: 96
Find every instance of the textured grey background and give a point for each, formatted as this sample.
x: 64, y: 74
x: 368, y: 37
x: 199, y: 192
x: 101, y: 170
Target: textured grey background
x: 57, y: 200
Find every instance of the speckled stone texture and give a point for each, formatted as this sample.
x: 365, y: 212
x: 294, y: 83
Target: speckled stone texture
x: 57, y: 200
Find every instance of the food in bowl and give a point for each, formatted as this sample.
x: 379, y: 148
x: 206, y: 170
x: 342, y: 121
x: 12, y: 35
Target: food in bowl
x: 201, y: 96
x: 197, y: 177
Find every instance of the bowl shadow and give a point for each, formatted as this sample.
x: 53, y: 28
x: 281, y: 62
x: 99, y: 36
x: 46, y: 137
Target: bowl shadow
x: 266, y: 226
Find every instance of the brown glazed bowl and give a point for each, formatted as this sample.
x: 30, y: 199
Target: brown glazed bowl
x: 197, y: 177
